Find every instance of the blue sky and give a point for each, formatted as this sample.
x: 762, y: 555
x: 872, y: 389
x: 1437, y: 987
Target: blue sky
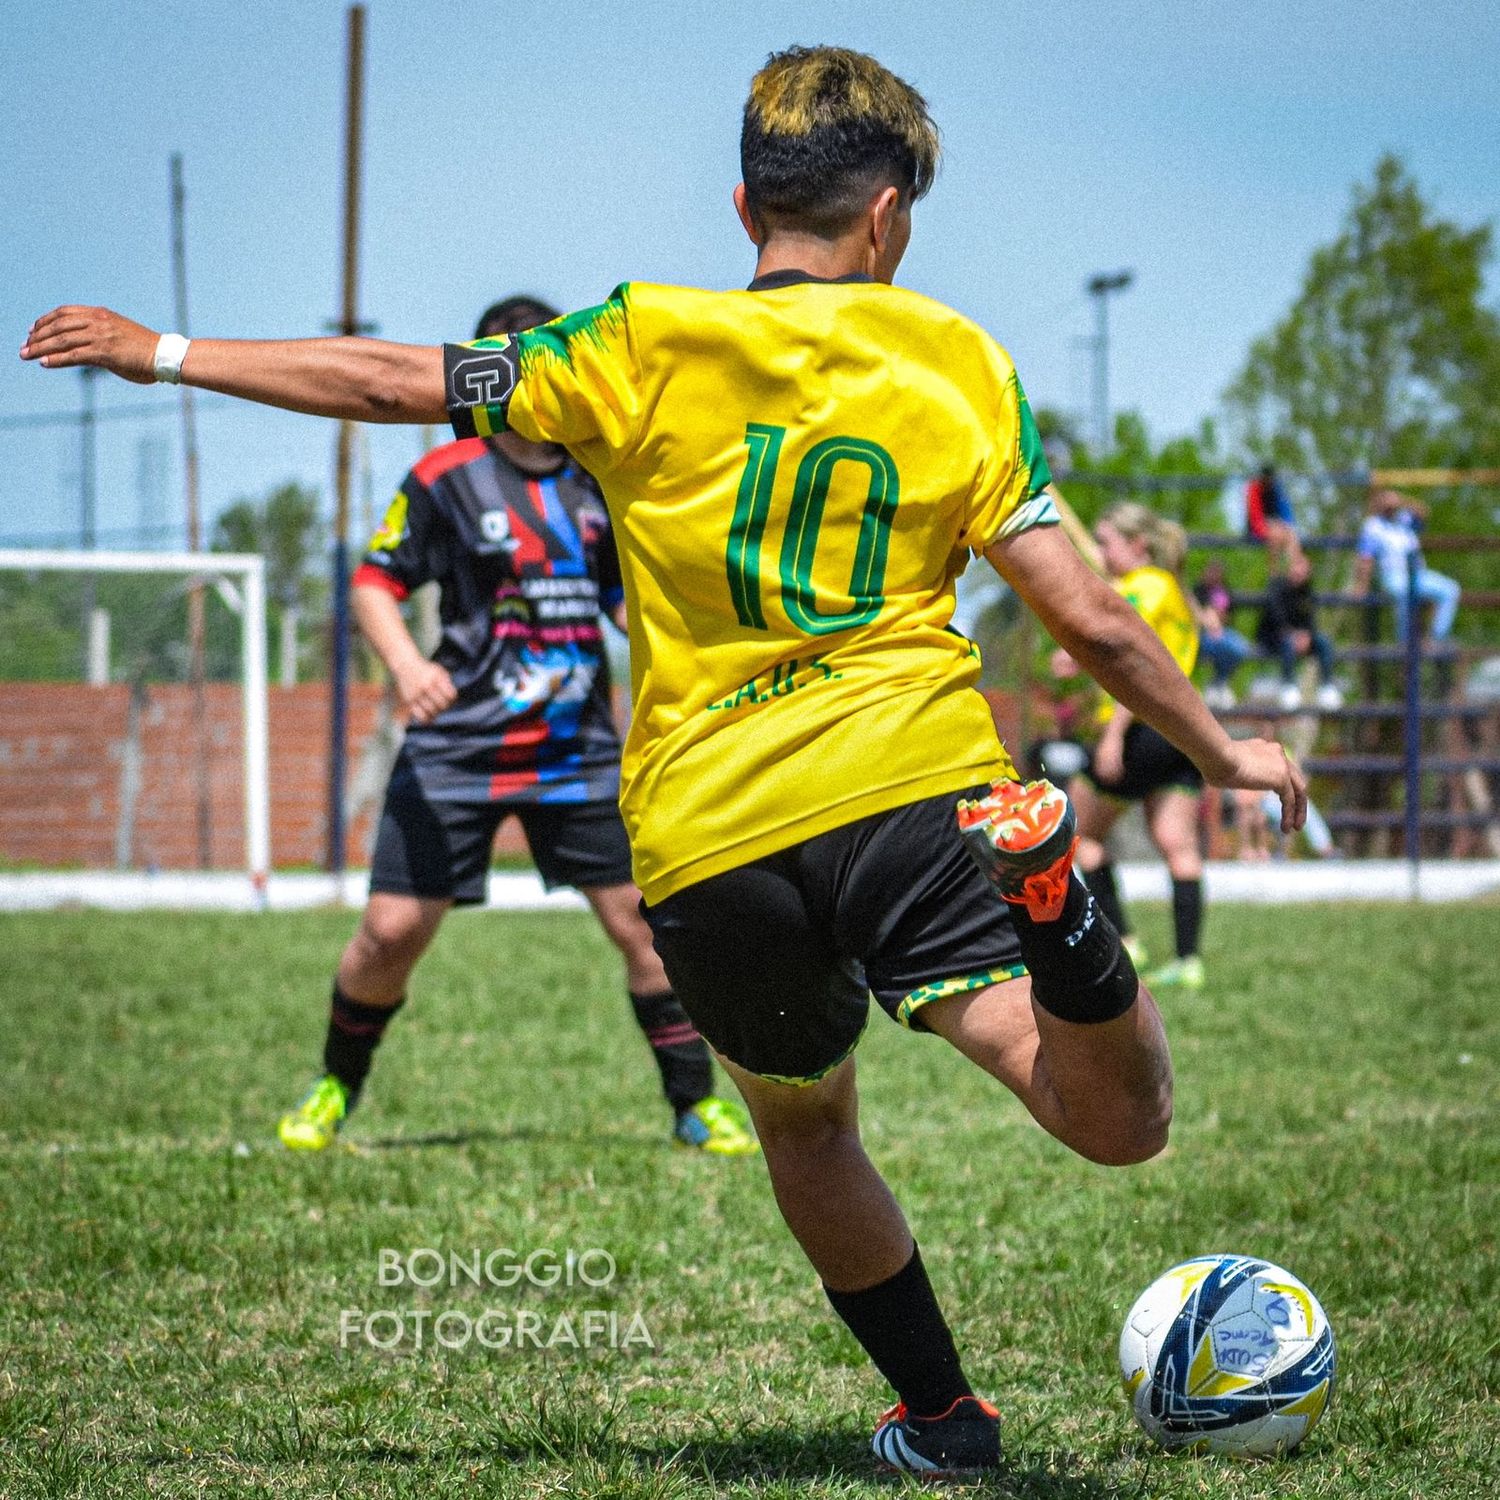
x: 562, y: 148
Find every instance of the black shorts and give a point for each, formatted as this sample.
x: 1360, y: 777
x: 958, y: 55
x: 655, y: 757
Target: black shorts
x: 440, y: 848
x: 774, y: 961
x: 1152, y: 764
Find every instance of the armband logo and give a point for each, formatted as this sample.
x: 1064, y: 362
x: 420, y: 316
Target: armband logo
x: 481, y: 377
x: 393, y: 528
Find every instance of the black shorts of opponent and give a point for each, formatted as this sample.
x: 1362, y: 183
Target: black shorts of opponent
x: 774, y: 961
x: 439, y: 847
x: 1152, y: 764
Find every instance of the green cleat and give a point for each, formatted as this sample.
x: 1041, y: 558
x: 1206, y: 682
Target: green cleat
x: 716, y: 1126
x: 315, y: 1122
x: 1181, y: 974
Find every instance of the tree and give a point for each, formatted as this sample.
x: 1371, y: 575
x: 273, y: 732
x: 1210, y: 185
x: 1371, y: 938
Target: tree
x: 1389, y: 357
x: 284, y: 528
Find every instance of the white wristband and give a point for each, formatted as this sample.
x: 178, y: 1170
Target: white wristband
x: 170, y: 349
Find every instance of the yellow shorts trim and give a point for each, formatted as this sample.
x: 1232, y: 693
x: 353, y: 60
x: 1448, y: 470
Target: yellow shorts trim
x: 961, y: 984
x: 808, y: 1080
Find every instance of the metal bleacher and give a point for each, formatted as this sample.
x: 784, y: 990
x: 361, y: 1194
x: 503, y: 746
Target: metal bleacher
x: 1409, y: 764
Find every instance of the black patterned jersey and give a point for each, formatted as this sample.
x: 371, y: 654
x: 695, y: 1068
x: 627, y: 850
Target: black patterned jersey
x: 525, y: 565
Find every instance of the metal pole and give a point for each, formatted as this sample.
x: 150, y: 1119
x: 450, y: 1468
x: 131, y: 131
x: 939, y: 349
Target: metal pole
x: 1099, y: 288
x: 197, y: 672
x: 348, y: 326
x: 1413, y: 737
x: 1101, y: 372
x: 88, y: 420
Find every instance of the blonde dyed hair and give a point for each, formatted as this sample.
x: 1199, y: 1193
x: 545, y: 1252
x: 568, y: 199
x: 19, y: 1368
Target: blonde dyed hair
x: 824, y: 124
x: 1166, y: 541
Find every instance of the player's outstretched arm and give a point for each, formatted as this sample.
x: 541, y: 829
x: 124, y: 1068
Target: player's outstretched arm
x: 363, y: 380
x: 1111, y: 642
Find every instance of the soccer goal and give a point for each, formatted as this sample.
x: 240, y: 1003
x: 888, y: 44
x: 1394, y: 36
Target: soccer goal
x: 66, y: 763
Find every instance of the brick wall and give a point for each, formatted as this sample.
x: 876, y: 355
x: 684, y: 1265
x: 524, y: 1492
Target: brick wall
x: 66, y: 754
x: 66, y: 762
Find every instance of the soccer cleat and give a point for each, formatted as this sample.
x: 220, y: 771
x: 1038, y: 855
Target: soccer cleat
x: 964, y: 1440
x: 1289, y: 697
x: 1329, y: 696
x: 1022, y: 837
x: 716, y: 1126
x: 1180, y: 973
x: 315, y: 1122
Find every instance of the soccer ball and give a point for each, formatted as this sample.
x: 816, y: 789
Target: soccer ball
x: 1229, y: 1354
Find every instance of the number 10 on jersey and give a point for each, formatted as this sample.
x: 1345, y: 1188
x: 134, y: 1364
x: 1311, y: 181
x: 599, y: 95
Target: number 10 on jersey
x: 799, y: 542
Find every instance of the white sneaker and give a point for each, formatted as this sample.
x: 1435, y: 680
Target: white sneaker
x: 1218, y: 695
x: 1329, y: 696
x: 1290, y: 696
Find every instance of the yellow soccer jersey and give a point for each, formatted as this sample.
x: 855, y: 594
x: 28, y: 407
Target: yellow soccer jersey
x: 796, y: 474
x: 1157, y: 597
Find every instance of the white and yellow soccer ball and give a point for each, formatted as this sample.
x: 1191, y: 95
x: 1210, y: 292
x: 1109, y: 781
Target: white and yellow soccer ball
x: 1227, y: 1354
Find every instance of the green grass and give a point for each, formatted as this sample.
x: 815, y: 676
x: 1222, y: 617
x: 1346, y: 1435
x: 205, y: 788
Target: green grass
x: 171, y: 1283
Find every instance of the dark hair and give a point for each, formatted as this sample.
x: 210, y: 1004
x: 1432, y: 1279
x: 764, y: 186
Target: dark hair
x: 825, y: 127
x: 514, y: 315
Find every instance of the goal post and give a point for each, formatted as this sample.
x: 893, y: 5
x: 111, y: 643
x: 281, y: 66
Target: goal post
x: 248, y: 571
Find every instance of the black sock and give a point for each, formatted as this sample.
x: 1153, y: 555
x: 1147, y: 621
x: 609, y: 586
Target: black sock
x: 1079, y: 970
x: 354, y: 1032
x: 901, y: 1327
x: 682, y: 1056
x: 1187, y: 915
x: 1102, y: 887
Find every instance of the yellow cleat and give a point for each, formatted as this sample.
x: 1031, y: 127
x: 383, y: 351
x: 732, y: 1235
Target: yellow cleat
x: 1180, y: 974
x: 716, y: 1126
x: 314, y: 1124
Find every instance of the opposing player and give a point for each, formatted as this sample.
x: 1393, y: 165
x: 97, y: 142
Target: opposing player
x: 1142, y: 553
x: 796, y: 473
x: 512, y: 717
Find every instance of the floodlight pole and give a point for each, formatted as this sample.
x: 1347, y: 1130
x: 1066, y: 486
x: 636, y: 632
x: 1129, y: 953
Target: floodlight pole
x: 1099, y: 288
x: 349, y: 326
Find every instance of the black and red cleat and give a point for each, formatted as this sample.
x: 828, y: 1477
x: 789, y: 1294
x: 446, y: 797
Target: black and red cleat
x: 965, y: 1439
x: 1022, y: 837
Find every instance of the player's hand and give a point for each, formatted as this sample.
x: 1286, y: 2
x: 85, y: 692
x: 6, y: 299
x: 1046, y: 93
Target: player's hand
x: 1109, y: 759
x: 1264, y: 766
x: 93, y: 336
x: 425, y: 690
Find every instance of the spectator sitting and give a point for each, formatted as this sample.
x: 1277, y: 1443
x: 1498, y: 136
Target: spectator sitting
x: 1388, y: 541
x: 1222, y: 647
x: 1269, y: 518
x: 1288, y: 630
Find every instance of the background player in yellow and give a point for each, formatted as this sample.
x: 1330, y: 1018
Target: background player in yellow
x: 796, y: 474
x: 1142, y: 553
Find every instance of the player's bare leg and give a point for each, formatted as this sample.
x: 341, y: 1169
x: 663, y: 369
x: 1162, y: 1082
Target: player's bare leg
x: 1103, y: 1088
x: 1172, y: 821
x: 1097, y: 816
x: 832, y: 1198
x: 853, y: 1231
x: 1079, y: 1040
x: 393, y: 934
x: 702, y: 1120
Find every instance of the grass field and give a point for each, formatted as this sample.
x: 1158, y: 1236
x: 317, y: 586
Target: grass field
x: 172, y: 1283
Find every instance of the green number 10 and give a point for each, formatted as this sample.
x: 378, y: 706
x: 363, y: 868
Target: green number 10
x: 799, y: 543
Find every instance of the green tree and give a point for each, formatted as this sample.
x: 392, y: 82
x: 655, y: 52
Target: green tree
x: 1389, y: 357
x: 285, y: 530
